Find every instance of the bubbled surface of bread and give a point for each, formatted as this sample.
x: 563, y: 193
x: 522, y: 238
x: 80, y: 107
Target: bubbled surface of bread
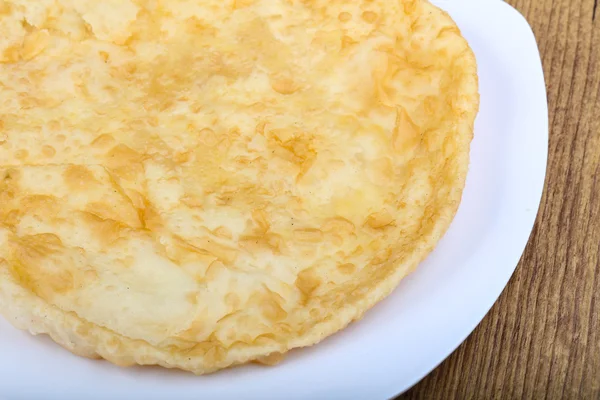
x: 198, y: 184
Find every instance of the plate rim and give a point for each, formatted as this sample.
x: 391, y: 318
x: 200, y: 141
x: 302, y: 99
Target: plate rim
x: 506, y: 11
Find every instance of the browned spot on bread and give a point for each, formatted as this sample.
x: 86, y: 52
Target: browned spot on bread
x: 79, y: 178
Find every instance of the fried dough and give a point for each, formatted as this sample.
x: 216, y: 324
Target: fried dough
x: 199, y: 184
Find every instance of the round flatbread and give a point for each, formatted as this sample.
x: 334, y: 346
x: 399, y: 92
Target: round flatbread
x: 199, y: 184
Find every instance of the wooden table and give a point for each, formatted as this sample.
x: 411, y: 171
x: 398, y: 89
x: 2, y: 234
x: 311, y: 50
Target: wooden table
x: 542, y: 338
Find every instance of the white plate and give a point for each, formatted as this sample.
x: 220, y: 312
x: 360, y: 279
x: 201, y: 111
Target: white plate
x: 432, y: 311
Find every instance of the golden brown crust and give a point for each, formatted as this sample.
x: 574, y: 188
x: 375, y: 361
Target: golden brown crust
x: 203, y: 184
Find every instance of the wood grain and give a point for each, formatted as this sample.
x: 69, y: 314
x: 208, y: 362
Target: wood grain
x: 542, y: 338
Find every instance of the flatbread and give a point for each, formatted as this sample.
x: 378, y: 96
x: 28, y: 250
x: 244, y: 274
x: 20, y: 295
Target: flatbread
x: 198, y: 184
